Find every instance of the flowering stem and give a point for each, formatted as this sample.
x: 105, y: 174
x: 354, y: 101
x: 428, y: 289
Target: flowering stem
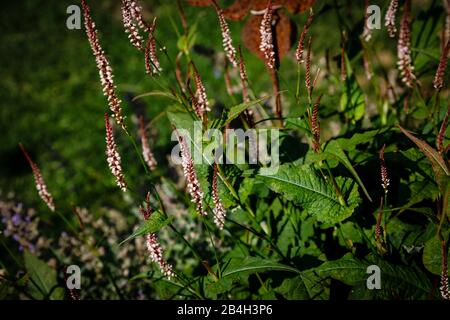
x: 297, y: 91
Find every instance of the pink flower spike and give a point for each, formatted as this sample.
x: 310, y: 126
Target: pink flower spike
x: 156, y: 255
x: 152, y: 65
x: 384, y: 172
x: 219, y: 209
x: 136, y: 13
x: 105, y: 70
x: 130, y: 27
x: 40, y: 183
x: 390, y: 18
x: 228, y: 47
x: 113, y: 157
x: 201, y: 99
x: 403, y: 48
x: 444, y: 288
x: 438, y: 81
x: 193, y: 184
x: 243, y: 76
x: 266, y: 46
x: 146, y: 151
x: 301, y: 41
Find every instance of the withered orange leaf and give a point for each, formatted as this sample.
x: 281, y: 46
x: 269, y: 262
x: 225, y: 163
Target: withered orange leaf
x: 284, y: 35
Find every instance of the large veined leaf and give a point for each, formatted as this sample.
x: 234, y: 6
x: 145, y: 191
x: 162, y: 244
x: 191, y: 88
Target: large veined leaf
x: 421, y: 190
x: 396, y: 281
x: 156, y: 222
x: 293, y: 289
x: 307, y: 286
x: 43, y: 281
x: 307, y: 188
x: 432, y: 256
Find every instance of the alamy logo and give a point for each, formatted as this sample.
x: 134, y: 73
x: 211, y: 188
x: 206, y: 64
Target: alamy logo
x: 73, y: 22
x: 73, y: 279
x: 373, y: 20
x: 374, y: 280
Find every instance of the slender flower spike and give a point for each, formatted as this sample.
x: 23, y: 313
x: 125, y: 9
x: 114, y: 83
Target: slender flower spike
x: 105, y: 70
x: 308, y: 83
x: 228, y: 47
x: 315, y: 125
x: 384, y: 173
x: 191, y: 176
x: 390, y: 18
x: 301, y: 41
x: 201, y: 99
x: 130, y: 27
x: 136, y: 13
x: 444, y: 288
x: 147, y: 211
x: 266, y: 46
x: 403, y: 48
x: 152, y: 65
x: 40, y: 183
x: 442, y: 130
x: 156, y: 255
x: 154, y: 248
x: 219, y: 209
x: 113, y: 157
x: 243, y: 76
x: 146, y: 151
x: 438, y: 82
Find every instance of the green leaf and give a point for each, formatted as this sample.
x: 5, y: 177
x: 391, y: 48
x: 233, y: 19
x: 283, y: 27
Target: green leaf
x: 223, y: 285
x: 43, y: 280
x: 252, y: 265
x: 352, y: 99
x: 293, y: 289
x: 334, y: 149
x: 421, y: 190
x: 156, y: 222
x: 432, y: 256
x: 350, y: 144
x: 307, y: 188
x: 396, y: 281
